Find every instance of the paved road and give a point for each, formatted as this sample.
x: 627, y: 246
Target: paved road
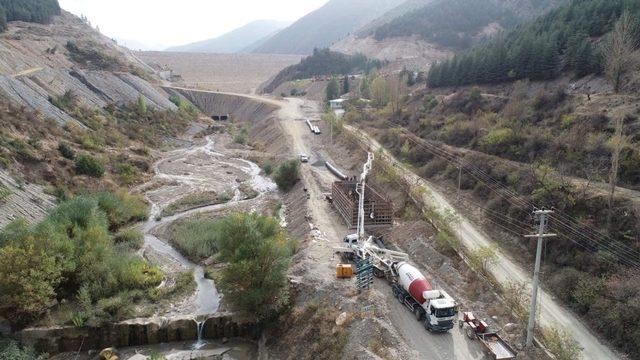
x: 506, y: 270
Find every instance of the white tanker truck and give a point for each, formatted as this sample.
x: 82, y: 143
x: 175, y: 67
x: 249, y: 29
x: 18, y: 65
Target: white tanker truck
x: 435, y: 307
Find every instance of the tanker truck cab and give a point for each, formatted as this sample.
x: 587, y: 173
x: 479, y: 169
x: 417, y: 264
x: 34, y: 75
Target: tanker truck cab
x: 440, y: 311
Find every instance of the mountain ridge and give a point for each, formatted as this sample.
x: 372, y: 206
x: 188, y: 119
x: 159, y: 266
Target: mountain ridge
x: 323, y: 27
x: 235, y: 40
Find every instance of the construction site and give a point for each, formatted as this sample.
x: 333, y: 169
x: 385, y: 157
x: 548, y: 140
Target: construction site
x: 378, y: 209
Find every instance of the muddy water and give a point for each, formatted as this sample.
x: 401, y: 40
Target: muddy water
x: 189, y: 170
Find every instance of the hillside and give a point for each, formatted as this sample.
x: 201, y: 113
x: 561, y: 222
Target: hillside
x: 63, y: 75
x: 323, y: 27
x: 563, y: 41
x: 400, y: 10
x: 460, y: 23
x: 236, y: 40
x: 419, y: 33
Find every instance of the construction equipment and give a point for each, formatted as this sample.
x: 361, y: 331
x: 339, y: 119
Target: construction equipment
x: 491, y: 340
x: 409, y: 286
x: 344, y: 271
x: 359, y: 247
x: 364, y: 274
x: 435, y: 307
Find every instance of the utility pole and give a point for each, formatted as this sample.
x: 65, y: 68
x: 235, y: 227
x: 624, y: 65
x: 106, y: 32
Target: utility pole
x: 542, y: 216
x: 331, y: 122
x: 459, y: 181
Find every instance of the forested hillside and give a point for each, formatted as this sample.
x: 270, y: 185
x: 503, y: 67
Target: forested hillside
x: 323, y: 62
x: 39, y: 11
x: 460, y: 23
x: 565, y: 40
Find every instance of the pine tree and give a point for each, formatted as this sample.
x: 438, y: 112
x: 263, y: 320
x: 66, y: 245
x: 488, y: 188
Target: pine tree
x: 332, y: 91
x: 3, y: 20
x: 345, y: 85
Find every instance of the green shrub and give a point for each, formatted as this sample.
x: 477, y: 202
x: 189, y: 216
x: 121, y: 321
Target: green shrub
x: 122, y: 208
x: 258, y: 255
x: 10, y: 350
x: 88, y: 165
x: 287, y: 174
x: 267, y: 167
x: 131, y: 238
x: 561, y: 344
x: 197, y: 238
x: 117, y: 307
x: 127, y: 172
x: 65, y: 150
x: 73, y: 243
x: 5, y: 192
x: 92, y: 55
x: 241, y: 136
x: 498, y: 137
x: 141, y: 105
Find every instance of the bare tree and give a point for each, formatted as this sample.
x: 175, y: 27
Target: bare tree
x: 617, y: 144
x: 620, y: 50
x: 397, y: 91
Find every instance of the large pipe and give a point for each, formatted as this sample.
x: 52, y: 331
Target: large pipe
x: 335, y: 171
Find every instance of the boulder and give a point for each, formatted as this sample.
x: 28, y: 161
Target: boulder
x: 341, y: 319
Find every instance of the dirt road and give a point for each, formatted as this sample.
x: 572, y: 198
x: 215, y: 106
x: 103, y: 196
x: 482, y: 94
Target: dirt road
x: 506, y: 270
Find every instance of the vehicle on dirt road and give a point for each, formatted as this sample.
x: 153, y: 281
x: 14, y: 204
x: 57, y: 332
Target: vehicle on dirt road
x: 491, y: 340
x: 435, y: 307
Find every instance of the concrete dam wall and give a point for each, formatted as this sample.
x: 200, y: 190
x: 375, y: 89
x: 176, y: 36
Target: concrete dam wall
x: 240, y: 107
x: 137, y: 332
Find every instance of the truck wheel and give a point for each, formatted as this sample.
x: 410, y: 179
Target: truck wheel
x: 418, y: 313
x: 470, y: 333
x: 400, y: 298
x: 427, y: 326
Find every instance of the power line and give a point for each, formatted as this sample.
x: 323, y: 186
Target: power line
x: 624, y: 252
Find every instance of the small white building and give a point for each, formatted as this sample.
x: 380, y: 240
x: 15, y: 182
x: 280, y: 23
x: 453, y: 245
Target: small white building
x: 336, y: 104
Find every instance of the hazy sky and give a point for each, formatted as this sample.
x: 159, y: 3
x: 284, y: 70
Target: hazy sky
x: 162, y: 23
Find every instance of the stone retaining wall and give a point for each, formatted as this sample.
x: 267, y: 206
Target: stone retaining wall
x: 135, y: 332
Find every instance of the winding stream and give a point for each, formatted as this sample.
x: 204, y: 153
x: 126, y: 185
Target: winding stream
x: 181, y: 169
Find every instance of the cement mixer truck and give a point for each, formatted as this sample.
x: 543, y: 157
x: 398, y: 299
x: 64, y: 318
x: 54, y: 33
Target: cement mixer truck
x: 435, y: 307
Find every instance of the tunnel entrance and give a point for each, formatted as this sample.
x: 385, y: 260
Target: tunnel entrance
x: 224, y: 117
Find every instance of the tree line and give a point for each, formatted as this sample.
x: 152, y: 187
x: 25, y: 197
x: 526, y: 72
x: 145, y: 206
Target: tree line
x: 566, y: 40
x: 39, y: 11
x: 324, y: 62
